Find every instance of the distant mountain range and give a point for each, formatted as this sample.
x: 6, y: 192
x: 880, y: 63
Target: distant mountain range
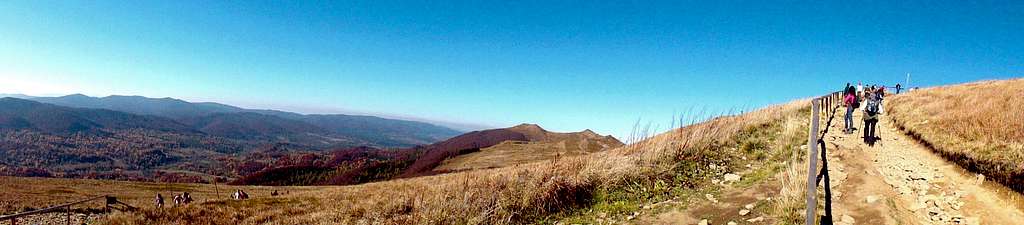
x: 252, y: 124
x: 166, y: 139
x: 25, y: 114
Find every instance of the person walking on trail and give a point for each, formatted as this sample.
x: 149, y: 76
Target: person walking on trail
x: 849, y: 99
x: 898, y: 88
x: 871, y: 113
x: 850, y: 89
x: 159, y: 200
x: 882, y: 97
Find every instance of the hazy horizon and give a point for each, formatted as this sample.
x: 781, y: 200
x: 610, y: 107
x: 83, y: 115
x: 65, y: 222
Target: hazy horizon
x: 301, y: 110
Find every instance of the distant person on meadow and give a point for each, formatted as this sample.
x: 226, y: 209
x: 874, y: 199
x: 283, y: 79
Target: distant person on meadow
x: 178, y: 200
x: 159, y: 200
x: 186, y: 198
x: 240, y: 195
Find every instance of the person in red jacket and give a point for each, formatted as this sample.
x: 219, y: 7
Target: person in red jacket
x: 849, y: 100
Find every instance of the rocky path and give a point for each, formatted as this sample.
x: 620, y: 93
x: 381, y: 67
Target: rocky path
x: 894, y: 181
x: 898, y: 181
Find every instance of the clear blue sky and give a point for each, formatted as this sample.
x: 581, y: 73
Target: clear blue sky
x: 567, y: 65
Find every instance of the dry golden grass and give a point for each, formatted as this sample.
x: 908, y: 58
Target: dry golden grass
x: 510, y: 195
x: 979, y: 125
x: 510, y: 153
x: 507, y: 153
x: 789, y: 206
x: 24, y: 193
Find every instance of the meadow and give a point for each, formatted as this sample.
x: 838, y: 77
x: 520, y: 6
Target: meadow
x: 28, y: 193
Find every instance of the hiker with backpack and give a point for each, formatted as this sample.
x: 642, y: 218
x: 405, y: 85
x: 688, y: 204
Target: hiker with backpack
x: 872, y: 109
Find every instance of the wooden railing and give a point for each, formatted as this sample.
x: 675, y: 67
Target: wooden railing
x: 110, y: 202
x: 830, y: 103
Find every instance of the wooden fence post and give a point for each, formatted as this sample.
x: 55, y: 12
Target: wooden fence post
x: 812, y: 146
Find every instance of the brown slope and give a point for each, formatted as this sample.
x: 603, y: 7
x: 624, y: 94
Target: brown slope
x: 543, y: 145
x: 435, y: 153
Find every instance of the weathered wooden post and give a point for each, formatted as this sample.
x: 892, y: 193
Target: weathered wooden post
x: 109, y: 200
x: 215, y: 188
x: 828, y: 107
x: 812, y: 184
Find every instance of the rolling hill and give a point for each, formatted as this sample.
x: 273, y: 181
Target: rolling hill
x: 528, y: 141
x: 493, y: 148
x: 78, y: 142
x: 25, y: 114
x: 539, y: 145
x: 165, y: 107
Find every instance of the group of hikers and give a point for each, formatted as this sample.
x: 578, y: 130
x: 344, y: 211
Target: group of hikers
x: 871, y: 97
x: 184, y: 198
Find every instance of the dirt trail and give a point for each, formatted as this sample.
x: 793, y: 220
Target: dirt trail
x: 894, y: 181
x: 737, y: 205
x: 899, y: 181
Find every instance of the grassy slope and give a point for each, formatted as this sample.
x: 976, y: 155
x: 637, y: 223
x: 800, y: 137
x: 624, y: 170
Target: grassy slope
x: 979, y: 126
x: 510, y: 153
x: 771, y: 148
x: 611, y: 180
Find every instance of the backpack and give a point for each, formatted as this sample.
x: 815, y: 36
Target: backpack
x: 856, y: 101
x: 872, y: 107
